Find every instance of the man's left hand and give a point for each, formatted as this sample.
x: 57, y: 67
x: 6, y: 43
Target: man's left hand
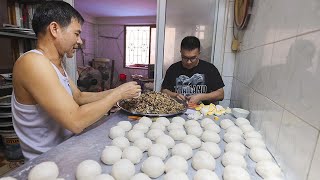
x: 194, y: 99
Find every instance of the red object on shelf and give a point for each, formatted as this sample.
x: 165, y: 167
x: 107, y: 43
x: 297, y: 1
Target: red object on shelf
x: 122, y: 77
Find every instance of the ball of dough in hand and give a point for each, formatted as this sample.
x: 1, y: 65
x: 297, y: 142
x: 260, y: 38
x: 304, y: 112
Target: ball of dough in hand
x: 158, y: 150
x: 123, y: 169
x: 125, y: 125
x: 44, y: 170
x: 176, y: 163
x: 235, y: 173
x: 183, y: 150
x: 111, y: 154
x: 203, y: 160
x: 192, y: 141
x: 120, y: 142
x: 143, y: 144
x: 165, y: 140
x: 205, y: 174
x: 132, y: 153
x: 87, y: 169
x: 116, y: 131
x: 153, y: 166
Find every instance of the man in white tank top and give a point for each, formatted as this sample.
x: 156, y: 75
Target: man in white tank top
x: 47, y: 106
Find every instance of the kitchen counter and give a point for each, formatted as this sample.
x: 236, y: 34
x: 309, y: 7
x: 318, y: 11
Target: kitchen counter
x: 90, y: 144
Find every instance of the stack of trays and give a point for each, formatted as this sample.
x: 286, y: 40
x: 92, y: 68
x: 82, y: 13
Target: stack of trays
x: 5, y: 114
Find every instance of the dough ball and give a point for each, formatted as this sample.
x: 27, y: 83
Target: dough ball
x: 232, y: 137
x: 183, y: 150
x: 255, y: 142
x: 116, y: 131
x: 153, y: 134
x: 111, y: 154
x: 163, y: 120
x: 132, y: 153
x: 143, y: 144
x: 191, y: 123
x: 87, y: 169
x: 212, y: 127
x: 253, y: 134
x: 268, y: 168
x: 210, y: 136
x: 8, y: 178
x: 192, y: 141
x: 120, y: 142
x: 145, y: 120
x: 179, y: 120
x: 273, y: 178
x: 174, y: 125
x: 125, y: 125
x: 195, y: 130
x: 123, y: 170
x: 176, y: 163
x: 165, y: 140
x: 158, y: 150
x: 104, y: 177
x: 157, y: 125
x: 135, y: 134
x: 140, y: 176
x: 141, y: 127
x: 241, y: 121
x: 178, y: 134
x: 236, y: 147
x: 203, y: 160
x: 235, y: 130
x: 206, y: 121
x: 45, y: 170
x: 233, y: 158
x: 259, y: 154
x: 212, y: 148
x: 226, y: 123
x: 235, y: 173
x: 246, y: 128
x: 205, y: 174
x: 175, y: 174
x: 153, y: 166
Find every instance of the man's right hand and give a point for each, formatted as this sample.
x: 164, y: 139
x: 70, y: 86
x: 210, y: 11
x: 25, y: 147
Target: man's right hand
x: 181, y: 97
x: 128, y: 90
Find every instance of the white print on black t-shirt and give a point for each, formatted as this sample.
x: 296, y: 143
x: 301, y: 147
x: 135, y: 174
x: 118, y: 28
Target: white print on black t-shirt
x: 189, y: 86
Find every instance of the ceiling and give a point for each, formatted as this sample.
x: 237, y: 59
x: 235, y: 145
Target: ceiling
x: 117, y: 8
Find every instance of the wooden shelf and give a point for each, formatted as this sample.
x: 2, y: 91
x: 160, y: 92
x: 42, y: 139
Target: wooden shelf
x: 17, y: 35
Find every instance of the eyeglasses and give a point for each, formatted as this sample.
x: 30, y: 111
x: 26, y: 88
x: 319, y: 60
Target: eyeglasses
x: 193, y: 59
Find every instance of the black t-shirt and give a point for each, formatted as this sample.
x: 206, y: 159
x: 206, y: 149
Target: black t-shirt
x: 204, y: 78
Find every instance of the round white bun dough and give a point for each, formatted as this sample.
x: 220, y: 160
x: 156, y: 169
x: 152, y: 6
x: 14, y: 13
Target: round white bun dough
x: 191, y: 123
x: 212, y: 148
x: 133, y: 154
x: 163, y: 120
x: 235, y: 129
x: 255, y: 142
x: 236, y: 147
x: 123, y: 169
x: 183, y: 150
x: 235, y: 173
x: 178, y: 134
x: 87, y: 169
x: 111, y: 154
x: 153, y: 134
x: 10, y: 178
x: 195, y: 130
x: 104, y: 177
x: 212, y: 127
x: 178, y: 119
x: 192, y: 141
x: 175, y: 174
x: 241, y: 121
x: 153, y: 166
x: 233, y: 158
x: 268, y: 168
x: 259, y: 154
x: 246, y: 128
x: 145, y: 120
x: 206, y: 121
x: 203, y: 160
x: 125, y: 125
x: 176, y: 163
x: 175, y: 125
x: 210, y: 136
x: 165, y: 140
x: 141, y: 127
x: 226, y: 123
x: 205, y: 174
x: 157, y: 125
x: 134, y: 135
x: 116, y: 131
x: 45, y: 170
x: 121, y: 142
x: 143, y: 144
x: 158, y: 150
x: 253, y: 134
x: 140, y: 176
x: 232, y: 137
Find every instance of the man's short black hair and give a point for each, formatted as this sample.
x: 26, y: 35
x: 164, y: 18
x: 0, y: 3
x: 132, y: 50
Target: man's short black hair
x: 190, y: 43
x: 54, y: 11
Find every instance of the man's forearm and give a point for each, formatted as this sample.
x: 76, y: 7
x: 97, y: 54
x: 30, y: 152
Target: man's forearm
x: 216, y: 95
x: 88, y: 97
x: 170, y: 93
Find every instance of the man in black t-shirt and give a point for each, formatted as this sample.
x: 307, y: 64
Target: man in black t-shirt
x: 193, y: 79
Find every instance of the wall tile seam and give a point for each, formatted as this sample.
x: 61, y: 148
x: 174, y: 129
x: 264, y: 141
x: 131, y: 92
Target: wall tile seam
x: 313, y: 156
x: 277, y: 104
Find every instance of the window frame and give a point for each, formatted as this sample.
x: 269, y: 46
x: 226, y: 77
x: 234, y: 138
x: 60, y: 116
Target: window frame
x: 125, y: 50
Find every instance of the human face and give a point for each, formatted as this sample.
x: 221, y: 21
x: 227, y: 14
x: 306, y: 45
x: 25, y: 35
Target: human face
x: 190, y: 58
x: 71, y: 38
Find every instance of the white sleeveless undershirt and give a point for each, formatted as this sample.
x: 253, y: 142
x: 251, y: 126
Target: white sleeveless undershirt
x: 37, y: 131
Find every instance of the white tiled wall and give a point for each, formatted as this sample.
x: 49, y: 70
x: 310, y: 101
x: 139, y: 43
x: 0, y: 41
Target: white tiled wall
x: 277, y: 77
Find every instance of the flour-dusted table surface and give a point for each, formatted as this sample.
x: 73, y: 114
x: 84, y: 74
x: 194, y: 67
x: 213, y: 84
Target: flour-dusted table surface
x: 90, y: 144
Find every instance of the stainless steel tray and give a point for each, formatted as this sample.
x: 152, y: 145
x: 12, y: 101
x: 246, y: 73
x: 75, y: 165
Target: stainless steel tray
x: 120, y: 105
